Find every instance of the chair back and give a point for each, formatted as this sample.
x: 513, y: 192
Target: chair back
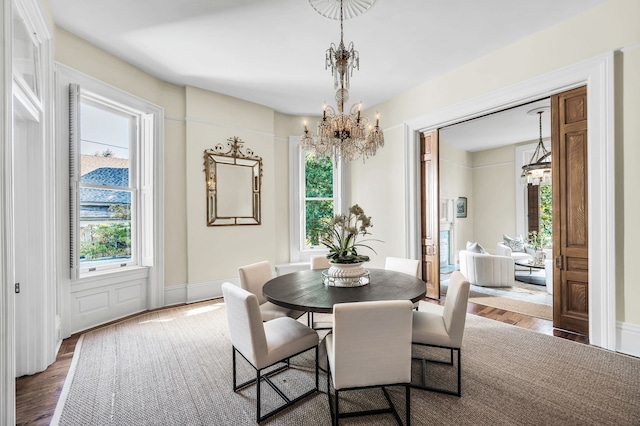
x: 455, y: 307
x: 246, y: 329
x: 319, y: 262
x: 371, y: 343
x: 407, y: 266
x: 254, y: 276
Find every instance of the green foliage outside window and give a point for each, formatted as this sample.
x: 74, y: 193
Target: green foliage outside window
x: 545, y: 212
x: 108, y: 240
x: 319, y: 196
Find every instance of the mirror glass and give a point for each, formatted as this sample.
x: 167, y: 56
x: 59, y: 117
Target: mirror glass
x: 233, y: 180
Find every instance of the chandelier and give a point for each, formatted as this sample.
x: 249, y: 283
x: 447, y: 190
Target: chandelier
x: 343, y: 135
x: 538, y: 171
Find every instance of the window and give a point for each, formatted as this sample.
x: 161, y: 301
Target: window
x: 318, y: 197
x: 316, y: 194
x: 108, y: 185
x: 111, y: 173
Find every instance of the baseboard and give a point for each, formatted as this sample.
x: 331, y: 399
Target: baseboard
x: 196, y: 292
x: 628, y: 338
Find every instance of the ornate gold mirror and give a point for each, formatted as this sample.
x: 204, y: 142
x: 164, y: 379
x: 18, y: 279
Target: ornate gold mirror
x: 234, y: 178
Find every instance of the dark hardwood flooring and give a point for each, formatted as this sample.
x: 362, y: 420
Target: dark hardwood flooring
x: 37, y: 395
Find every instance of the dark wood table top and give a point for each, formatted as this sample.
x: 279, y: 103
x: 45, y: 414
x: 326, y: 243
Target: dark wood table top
x: 304, y: 290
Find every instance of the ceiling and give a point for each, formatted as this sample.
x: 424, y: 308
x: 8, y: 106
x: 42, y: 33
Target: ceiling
x: 273, y: 52
x: 508, y: 127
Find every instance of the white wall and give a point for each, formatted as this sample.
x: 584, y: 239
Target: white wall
x: 456, y: 180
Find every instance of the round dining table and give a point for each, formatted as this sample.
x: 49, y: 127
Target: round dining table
x: 305, y: 291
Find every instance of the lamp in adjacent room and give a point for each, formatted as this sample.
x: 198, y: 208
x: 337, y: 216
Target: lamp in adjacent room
x: 538, y: 170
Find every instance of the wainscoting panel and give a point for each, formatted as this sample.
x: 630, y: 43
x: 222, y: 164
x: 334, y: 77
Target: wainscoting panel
x: 102, y: 299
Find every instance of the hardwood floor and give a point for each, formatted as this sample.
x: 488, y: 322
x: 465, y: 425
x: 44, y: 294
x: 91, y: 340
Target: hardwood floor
x: 37, y: 395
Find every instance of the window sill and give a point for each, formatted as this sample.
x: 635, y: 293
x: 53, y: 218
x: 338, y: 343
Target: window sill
x: 111, y: 275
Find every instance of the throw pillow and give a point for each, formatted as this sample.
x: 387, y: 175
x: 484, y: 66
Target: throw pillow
x: 515, y: 244
x: 475, y: 247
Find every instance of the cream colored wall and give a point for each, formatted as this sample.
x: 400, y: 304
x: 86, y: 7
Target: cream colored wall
x: 608, y: 27
x: 456, y: 180
x: 216, y: 252
x: 494, y: 200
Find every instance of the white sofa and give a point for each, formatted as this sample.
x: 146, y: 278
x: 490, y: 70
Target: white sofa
x: 487, y: 270
x: 504, y: 250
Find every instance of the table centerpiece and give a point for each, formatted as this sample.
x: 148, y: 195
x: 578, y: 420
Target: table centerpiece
x: 341, y: 236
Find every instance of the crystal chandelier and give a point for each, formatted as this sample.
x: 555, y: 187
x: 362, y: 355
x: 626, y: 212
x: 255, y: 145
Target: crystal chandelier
x: 343, y: 135
x: 538, y: 171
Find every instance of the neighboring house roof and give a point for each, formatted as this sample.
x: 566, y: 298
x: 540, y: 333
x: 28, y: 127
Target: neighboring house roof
x: 89, y: 163
x: 108, y: 176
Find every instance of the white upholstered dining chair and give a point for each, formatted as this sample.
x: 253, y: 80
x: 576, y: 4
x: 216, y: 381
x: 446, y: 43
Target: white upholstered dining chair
x: 406, y: 266
x: 319, y: 262
x: 264, y: 344
x: 444, y: 329
x: 252, y: 278
x: 370, y: 347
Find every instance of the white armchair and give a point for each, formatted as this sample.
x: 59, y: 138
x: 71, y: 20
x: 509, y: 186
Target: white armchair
x: 487, y: 270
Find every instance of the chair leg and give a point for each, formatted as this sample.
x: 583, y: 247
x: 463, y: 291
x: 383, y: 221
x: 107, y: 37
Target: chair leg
x: 337, y: 401
x: 423, y: 361
x: 407, y: 390
x: 233, y: 352
x: 257, y: 396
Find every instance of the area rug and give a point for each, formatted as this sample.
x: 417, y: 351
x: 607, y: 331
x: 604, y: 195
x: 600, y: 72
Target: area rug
x: 173, y: 367
x: 522, y: 298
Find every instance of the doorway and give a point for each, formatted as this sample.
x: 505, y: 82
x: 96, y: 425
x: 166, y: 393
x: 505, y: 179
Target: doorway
x: 599, y: 73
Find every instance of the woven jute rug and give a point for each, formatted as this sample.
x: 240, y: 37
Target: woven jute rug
x: 173, y: 367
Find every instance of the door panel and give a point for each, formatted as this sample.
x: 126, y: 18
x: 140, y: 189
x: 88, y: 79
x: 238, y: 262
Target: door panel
x: 570, y: 214
x: 430, y: 196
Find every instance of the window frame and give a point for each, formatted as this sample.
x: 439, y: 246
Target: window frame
x: 299, y: 252
x: 150, y: 170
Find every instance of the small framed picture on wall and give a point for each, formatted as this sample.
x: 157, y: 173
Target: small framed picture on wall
x: 461, y: 207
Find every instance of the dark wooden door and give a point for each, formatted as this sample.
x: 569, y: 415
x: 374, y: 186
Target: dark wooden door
x: 570, y: 213
x: 430, y: 203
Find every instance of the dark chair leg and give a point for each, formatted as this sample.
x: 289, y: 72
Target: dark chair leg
x: 423, y: 361
x: 337, y: 416
x: 407, y: 390
x: 233, y: 352
x: 258, y: 396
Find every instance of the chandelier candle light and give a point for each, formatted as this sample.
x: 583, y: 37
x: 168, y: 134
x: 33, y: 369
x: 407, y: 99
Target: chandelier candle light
x: 347, y: 136
x: 538, y: 171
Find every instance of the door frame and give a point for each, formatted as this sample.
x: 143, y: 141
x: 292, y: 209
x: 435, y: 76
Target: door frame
x: 598, y: 75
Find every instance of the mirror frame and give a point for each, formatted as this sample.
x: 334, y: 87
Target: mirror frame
x: 233, y: 153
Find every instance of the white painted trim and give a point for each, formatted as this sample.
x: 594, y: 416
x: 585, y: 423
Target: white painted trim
x: 628, y: 339
x: 7, y: 311
x: 597, y: 73
x: 208, y: 290
x: 296, y: 182
x: 175, y: 294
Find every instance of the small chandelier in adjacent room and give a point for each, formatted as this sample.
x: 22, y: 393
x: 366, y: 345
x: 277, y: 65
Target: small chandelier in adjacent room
x: 538, y: 171
x: 343, y: 135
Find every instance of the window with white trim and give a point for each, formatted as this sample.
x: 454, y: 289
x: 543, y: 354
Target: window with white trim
x: 111, y: 174
x: 317, y: 190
